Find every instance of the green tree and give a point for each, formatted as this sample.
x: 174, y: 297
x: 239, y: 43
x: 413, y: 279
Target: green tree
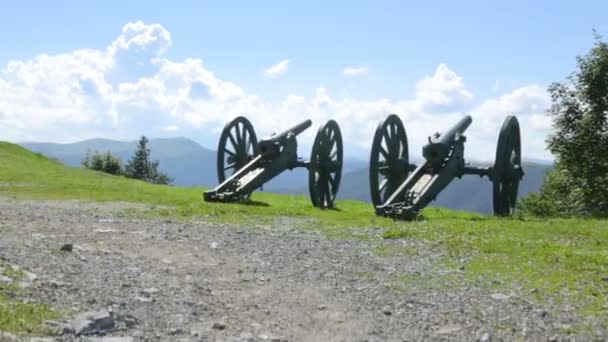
x: 140, y: 166
x: 103, y: 161
x: 578, y: 186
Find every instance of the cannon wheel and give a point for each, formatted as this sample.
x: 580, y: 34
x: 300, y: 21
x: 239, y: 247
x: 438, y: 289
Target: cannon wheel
x: 236, y: 147
x: 389, y: 161
x: 325, y: 168
x: 507, y: 171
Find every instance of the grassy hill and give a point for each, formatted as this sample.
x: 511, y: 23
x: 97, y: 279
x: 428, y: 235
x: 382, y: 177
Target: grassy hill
x: 551, y: 258
x: 193, y: 165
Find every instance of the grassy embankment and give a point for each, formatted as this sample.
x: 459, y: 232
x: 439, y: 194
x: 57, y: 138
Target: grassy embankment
x: 553, y: 259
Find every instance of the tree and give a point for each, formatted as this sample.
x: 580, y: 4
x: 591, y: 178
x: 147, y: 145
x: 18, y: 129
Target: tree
x: 140, y: 166
x: 578, y: 186
x: 104, y: 162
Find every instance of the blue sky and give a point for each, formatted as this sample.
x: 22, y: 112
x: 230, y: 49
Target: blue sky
x: 495, y: 48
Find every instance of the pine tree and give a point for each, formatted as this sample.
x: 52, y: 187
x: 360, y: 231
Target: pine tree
x: 140, y: 166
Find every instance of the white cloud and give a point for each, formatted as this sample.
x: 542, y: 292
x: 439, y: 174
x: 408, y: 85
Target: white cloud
x: 355, y: 71
x: 170, y: 128
x: 529, y: 104
x: 443, y: 91
x: 129, y: 88
x: 277, y: 69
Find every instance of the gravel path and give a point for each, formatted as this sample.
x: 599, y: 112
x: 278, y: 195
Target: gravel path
x: 163, y: 280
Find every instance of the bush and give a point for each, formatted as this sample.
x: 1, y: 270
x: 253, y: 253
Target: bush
x: 104, y: 162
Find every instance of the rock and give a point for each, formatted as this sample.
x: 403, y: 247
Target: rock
x: 128, y: 320
x: 448, y: 329
x: 42, y: 339
x: 500, y: 296
x: 176, y: 331
x: 93, y: 322
x: 271, y: 338
x: 67, y: 329
x: 219, y: 326
x: 143, y: 299
x: 52, y: 324
x: 67, y: 247
x: 246, y: 337
x: 149, y: 291
x: 5, y: 280
x: 485, y: 337
x: 55, y: 284
x: 109, y: 339
x: 105, y: 230
x: 8, y: 337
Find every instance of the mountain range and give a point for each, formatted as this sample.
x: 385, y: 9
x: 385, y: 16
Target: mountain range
x: 191, y: 164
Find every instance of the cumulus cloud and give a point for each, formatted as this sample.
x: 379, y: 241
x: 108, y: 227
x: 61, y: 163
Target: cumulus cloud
x: 355, y: 71
x: 129, y: 88
x: 277, y: 69
x: 442, y: 91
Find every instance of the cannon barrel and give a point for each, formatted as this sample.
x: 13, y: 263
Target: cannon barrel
x: 439, y: 145
x: 270, y: 146
x: 296, y: 130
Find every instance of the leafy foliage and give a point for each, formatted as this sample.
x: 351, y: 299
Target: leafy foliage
x: 104, y: 162
x: 140, y: 166
x: 579, y: 184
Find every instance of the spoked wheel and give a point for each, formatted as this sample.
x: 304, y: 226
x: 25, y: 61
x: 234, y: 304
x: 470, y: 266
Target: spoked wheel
x: 389, y: 162
x: 507, y: 170
x: 325, y: 168
x: 236, y: 147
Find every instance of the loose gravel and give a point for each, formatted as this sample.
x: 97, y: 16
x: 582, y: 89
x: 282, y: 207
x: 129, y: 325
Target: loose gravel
x: 197, y: 280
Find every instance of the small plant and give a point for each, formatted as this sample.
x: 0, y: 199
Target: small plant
x: 103, y: 161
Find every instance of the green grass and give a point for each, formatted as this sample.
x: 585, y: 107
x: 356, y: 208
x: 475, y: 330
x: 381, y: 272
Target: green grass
x: 24, y: 174
x: 553, y: 259
x: 21, y: 317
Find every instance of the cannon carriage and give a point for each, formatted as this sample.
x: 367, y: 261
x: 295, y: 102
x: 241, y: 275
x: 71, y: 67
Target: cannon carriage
x: 401, y: 190
x: 245, y: 164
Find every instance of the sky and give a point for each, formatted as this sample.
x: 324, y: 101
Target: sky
x: 71, y: 70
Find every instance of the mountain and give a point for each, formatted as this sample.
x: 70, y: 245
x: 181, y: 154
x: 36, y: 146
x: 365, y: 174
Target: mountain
x: 192, y: 164
x: 183, y: 159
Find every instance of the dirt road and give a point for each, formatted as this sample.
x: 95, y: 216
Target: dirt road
x: 163, y: 280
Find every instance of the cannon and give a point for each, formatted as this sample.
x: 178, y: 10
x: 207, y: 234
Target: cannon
x: 244, y: 164
x: 401, y: 190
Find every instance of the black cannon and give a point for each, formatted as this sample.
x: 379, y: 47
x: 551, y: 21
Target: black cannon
x: 244, y: 164
x: 401, y: 190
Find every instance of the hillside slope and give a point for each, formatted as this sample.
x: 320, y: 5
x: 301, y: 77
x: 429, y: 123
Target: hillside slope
x: 183, y: 159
